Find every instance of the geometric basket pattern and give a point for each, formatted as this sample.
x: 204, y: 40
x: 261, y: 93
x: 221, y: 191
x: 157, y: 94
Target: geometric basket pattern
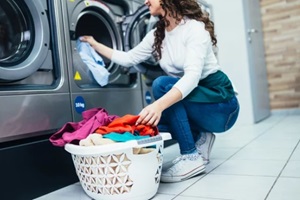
x: 106, y: 175
x: 160, y: 163
x: 109, y: 175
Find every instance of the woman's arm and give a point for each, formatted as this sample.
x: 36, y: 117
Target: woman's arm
x: 138, y: 54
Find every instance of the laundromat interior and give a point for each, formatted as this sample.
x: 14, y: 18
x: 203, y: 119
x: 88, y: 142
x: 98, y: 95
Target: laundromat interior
x: 44, y: 84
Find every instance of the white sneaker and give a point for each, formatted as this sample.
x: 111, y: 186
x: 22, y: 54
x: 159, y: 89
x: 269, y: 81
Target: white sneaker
x: 204, y: 145
x: 183, y: 168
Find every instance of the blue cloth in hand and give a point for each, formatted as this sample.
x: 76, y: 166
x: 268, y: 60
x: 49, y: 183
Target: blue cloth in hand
x: 94, y: 62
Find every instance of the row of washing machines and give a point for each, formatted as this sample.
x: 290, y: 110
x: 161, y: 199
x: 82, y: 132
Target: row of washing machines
x: 43, y: 81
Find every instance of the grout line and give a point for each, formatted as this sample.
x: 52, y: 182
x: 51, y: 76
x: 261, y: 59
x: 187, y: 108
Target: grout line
x: 282, y: 170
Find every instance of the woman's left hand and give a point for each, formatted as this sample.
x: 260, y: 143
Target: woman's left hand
x: 150, y: 115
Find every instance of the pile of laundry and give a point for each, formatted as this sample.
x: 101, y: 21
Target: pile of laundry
x: 100, y: 128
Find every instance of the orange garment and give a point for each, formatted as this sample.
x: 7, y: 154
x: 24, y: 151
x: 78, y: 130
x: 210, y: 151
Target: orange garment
x: 127, y: 124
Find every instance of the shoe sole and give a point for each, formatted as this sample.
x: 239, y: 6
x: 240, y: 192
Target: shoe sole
x: 173, y: 179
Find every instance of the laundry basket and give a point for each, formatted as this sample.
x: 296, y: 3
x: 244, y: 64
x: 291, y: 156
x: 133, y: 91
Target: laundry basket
x: 114, y: 172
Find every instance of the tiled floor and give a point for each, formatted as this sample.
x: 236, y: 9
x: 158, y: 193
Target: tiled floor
x: 255, y: 162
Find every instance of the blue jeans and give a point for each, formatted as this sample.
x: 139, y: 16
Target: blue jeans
x: 185, y: 120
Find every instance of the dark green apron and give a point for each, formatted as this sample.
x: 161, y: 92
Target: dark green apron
x: 215, y: 88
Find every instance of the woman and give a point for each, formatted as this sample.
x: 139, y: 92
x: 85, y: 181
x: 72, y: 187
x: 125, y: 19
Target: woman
x: 196, y: 98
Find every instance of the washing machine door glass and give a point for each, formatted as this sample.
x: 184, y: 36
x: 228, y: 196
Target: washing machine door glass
x: 24, y: 38
x: 16, y: 31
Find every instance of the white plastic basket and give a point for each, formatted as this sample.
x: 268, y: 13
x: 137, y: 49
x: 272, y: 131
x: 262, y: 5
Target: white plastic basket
x: 113, y: 172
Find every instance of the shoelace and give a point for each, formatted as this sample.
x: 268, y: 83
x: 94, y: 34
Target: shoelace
x: 193, y: 156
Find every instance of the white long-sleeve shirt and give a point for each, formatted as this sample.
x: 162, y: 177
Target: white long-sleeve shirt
x: 186, y: 53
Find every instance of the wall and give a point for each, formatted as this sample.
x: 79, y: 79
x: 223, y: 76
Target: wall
x: 281, y: 26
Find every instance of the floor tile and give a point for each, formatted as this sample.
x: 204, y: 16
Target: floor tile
x: 231, y: 187
x: 163, y: 197
x: 177, y: 188
x: 71, y: 192
x: 296, y: 153
x: 285, y: 189
x: 263, y: 154
x: 274, y: 143
x: 195, y: 198
x: 223, y: 153
x: 292, y: 169
x: 279, y: 135
x: 251, y: 167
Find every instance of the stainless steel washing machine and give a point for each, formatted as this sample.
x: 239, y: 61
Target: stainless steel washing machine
x: 135, y: 27
x: 103, y: 20
x: 34, y: 98
x: 34, y: 90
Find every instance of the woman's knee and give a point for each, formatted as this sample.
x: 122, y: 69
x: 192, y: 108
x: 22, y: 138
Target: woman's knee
x: 162, y: 85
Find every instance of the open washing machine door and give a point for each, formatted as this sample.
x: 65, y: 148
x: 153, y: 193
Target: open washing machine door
x: 102, y: 21
x: 24, y: 39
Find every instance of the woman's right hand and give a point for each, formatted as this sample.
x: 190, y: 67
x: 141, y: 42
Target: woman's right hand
x: 88, y: 39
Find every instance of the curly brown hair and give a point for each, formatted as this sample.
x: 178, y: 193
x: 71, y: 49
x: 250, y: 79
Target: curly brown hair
x: 177, y: 9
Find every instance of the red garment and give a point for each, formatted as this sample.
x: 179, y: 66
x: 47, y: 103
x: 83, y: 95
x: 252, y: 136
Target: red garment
x: 127, y: 124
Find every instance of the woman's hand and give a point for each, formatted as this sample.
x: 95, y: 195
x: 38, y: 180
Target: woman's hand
x: 88, y: 39
x: 100, y: 48
x: 150, y: 115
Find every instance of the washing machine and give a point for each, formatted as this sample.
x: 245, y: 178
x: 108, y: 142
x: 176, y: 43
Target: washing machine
x: 33, y: 74
x: 102, y: 20
x: 34, y: 98
x: 135, y: 27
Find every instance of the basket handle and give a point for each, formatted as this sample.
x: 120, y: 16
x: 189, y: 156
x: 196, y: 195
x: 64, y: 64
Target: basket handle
x: 151, y: 140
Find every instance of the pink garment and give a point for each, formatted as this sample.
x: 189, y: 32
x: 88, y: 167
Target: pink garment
x: 72, y: 132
